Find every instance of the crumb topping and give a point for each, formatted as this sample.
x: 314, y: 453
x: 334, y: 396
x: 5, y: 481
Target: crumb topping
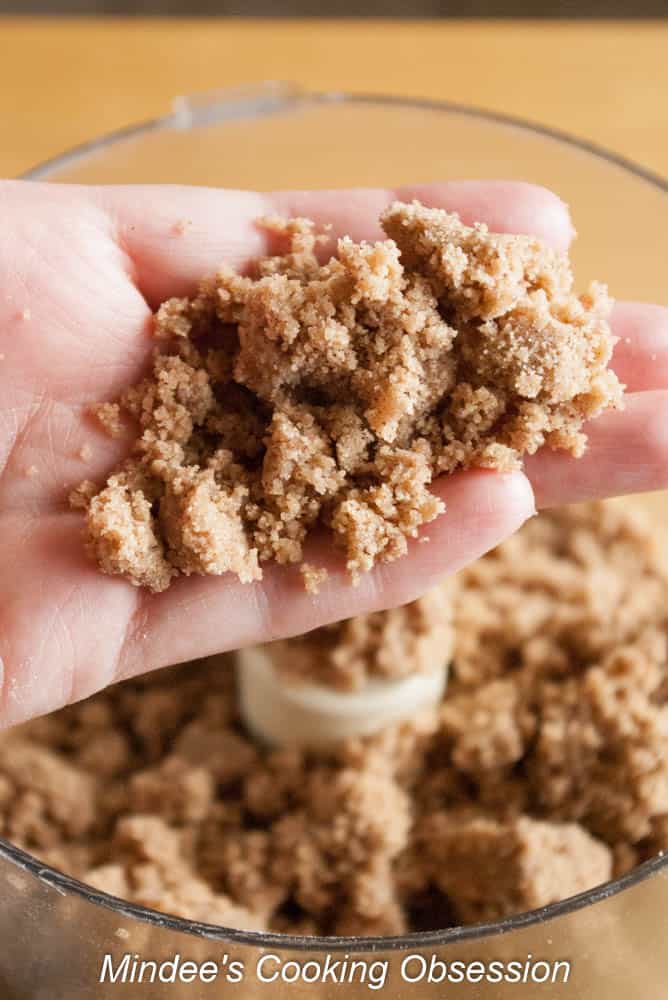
x: 543, y: 772
x: 334, y: 393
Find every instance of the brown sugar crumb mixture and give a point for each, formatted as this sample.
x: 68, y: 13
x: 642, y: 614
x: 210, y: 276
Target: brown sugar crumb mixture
x: 390, y: 644
x: 334, y: 393
x: 543, y: 772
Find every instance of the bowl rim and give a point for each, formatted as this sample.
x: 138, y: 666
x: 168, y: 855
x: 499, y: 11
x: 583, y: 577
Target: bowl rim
x: 64, y: 885
x: 272, y: 96
x: 266, y: 98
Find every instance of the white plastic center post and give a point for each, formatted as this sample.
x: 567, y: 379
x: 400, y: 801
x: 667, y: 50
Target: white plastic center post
x: 284, y: 714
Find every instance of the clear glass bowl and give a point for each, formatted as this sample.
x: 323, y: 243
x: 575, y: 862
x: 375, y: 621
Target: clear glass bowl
x: 55, y: 932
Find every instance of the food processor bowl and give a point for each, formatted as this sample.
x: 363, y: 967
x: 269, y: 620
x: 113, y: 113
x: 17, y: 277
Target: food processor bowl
x: 62, y: 940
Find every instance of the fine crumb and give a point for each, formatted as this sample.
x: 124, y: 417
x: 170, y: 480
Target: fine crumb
x: 31, y: 472
x: 85, y: 453
x: 386, y: 644
x: 25, y: 314
x: 313, y: 576
x: 80, y: 497
x: 181, y: 226
x: 332, y: 394
x: 543, y: 773
x: 108, y: 416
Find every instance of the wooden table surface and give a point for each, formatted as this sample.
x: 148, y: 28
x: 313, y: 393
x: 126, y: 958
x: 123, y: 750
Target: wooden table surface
x: 66, y: 80
x: 63, y: 81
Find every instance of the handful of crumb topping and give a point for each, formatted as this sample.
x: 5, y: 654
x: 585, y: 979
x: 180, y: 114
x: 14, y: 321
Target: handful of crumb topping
x: 543, y: 772
x: 334, y: 393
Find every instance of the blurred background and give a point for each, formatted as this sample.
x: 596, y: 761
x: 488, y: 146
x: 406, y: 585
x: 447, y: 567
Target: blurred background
x: 346, y: 8
x: 596, y: 69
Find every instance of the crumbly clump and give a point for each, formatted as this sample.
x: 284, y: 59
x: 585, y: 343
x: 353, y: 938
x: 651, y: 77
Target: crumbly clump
x: 391, y: 644
x: 109, y: 416
x: 334, y: 393
x: 543, y: 772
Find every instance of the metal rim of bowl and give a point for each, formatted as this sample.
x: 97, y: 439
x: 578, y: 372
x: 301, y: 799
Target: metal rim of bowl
x: 269, y: 98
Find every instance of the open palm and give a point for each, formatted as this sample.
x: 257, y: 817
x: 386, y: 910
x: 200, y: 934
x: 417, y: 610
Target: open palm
x: 82, y: 269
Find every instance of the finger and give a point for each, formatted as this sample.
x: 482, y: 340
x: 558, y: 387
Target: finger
x: 627, y: 452
x: 505, y: 206
x: 62, y: 622
x: 200, y: 616
x: 175, y: 235
x: 62, y: 647
x: 640, y: 358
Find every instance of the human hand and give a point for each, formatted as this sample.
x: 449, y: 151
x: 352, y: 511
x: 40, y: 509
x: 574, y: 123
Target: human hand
x: 82, y: 270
